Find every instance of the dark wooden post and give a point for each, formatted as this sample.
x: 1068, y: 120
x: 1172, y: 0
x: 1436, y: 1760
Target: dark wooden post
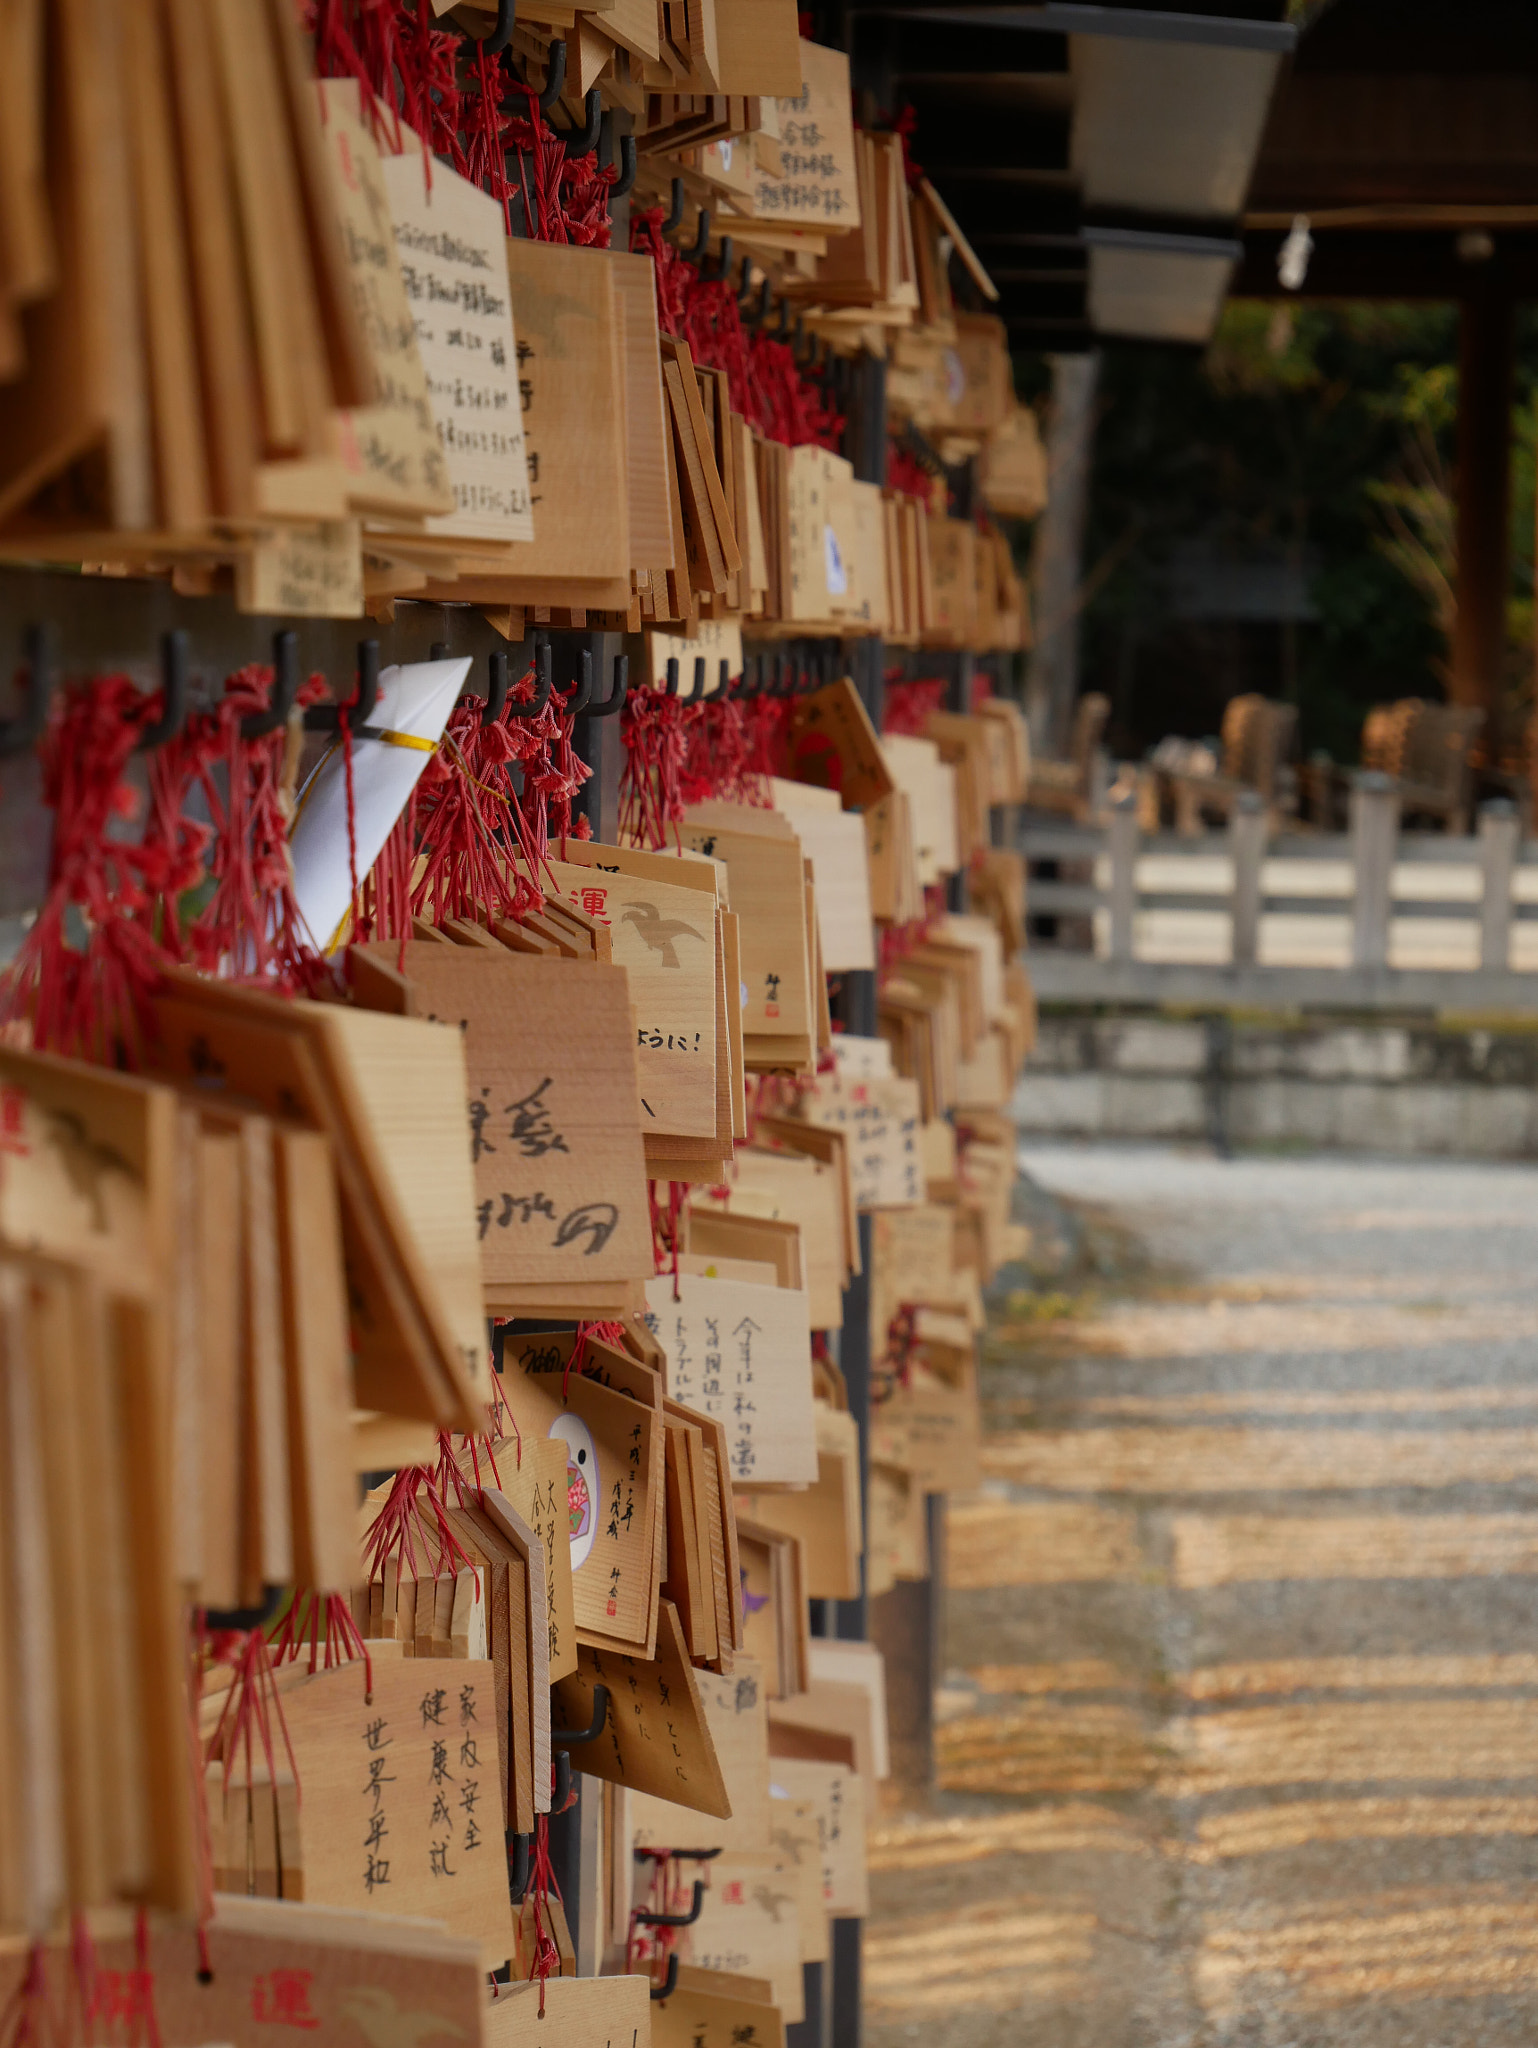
x: 1486, y: 364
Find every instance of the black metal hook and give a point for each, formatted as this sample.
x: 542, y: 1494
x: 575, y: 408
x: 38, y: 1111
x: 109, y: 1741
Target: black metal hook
x: 669, y: 1983
x: 760, y: 312
x: 580, y: 141
x: 497, y: 680
x: 745, y: 282
x: 701, y: 239
x: 696, y: 688
x: 725, y: 262
x: 573, y: 702
x: 555, y: 75
x: 519, y: 1853
x: 627, y: 157
x: 360, y: 706
x: 627, y: 168
x: 782, y: 332
x: 173, y: 676
x: 244, y: 1619
x: 501, y: 35
x: 17, y: 734
x: 562, y: 1791
x: 676, y: 1919
x: 676, y: 210
x: 361, y: 709
x: 615, y: 701
x: 285, y: 688
x: 577, y: 1736
x: 724, y: 678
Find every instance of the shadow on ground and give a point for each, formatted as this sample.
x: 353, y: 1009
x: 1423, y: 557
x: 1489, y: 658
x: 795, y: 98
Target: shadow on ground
x: 1238, y: 1743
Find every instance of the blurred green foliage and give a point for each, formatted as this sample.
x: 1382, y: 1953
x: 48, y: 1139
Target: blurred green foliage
x: 1325, y: 434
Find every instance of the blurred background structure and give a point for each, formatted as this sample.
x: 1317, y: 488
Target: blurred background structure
x: 1326, y: 496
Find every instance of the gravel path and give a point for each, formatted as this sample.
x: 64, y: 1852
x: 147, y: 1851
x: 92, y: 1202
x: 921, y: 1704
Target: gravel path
x: 1240, y: 1737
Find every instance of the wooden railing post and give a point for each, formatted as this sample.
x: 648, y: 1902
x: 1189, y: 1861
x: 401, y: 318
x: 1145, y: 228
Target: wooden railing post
x: 1121, y: 841
x: 1374, y: 834
x: 1099, y: 781
x: 1246, y: 847
x: 1500, y: 841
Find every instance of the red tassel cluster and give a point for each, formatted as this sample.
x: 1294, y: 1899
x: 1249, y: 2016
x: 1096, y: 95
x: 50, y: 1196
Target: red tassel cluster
x: 214, y: 890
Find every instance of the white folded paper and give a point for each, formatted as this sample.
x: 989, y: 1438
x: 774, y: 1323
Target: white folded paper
x: 413, y: 705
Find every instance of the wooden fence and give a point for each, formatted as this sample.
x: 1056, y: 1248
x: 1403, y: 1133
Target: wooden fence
x: 1373, y: 898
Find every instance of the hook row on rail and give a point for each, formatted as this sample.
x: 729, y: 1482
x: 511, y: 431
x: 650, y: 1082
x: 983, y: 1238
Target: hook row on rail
x: 39, y: 677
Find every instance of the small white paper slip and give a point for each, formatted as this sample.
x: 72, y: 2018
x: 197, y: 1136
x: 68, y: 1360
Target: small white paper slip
x: 451, y: 239
x: 414, y: 704
x: 862, y: 1059
x: 742, y: 1354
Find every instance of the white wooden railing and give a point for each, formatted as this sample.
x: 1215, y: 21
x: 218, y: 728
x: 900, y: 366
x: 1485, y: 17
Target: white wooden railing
x: 1374, y: 896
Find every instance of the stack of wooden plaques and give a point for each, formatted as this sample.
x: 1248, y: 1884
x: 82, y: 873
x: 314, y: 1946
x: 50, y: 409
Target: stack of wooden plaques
x: 775, y: 1629
x: 788, y: 1183
x: 551, y: 1108
x: 703, y: 1581
x: 267, y: 1961
x: 826, y: 1518
x: 381, y: 1794
x: 300, y: 414
x: 869, y: 276
x: 701, y: 1573
x: 880, y: 1116
x: 512, y: 1560
x: 201, y: 373
x: 568, y: 386
x: 388, y: 1093
x: 249, y: 1326
x: 845, y: 1695
x: 680, y: 945
x: 616, y: 1439
x: 711, y: 457
x: 736, y: 1346
x: 833, y: 840
x: 1013, y: 470
x: 784, y: 1014
x: 94, y: 1784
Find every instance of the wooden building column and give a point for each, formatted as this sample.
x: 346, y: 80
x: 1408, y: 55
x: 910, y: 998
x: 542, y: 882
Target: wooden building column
x: 1486, y: 376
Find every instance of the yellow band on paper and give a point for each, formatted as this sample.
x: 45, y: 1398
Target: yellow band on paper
x: 399, y: 739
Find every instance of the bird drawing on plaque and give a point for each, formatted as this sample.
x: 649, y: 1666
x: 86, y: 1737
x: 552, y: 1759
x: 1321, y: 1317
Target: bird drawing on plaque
x: 379, y: 2016
x: 658, y: 931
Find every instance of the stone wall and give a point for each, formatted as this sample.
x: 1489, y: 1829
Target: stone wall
x: 1400, y: 1085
